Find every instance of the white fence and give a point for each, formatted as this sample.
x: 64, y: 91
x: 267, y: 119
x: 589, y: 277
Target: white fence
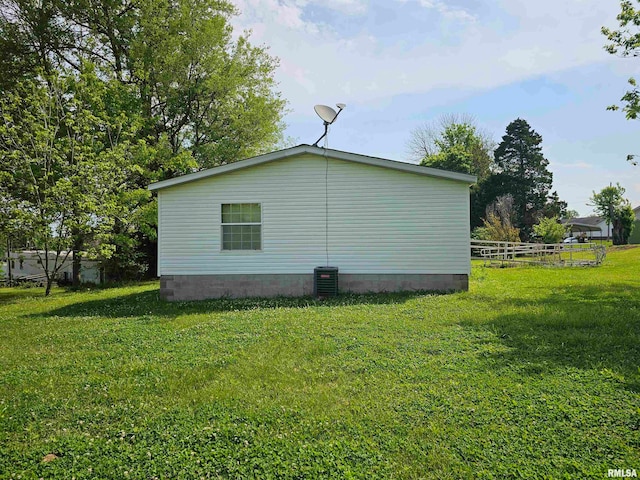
x: 569, y: 254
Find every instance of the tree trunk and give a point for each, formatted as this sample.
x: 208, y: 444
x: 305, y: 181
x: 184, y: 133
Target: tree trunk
x: 77, y: 259
x: 150, y: 249
x: 47, y: 290
x: 9, y: 272
x: 618, y: 233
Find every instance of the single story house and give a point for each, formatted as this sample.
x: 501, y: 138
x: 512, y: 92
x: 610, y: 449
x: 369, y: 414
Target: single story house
x: 593, y: 228
x: 28, y: 263
x: 260, y: 227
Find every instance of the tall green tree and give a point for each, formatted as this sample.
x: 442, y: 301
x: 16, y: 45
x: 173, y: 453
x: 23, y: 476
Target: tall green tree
x: 610, y: 204
x: 204, y: 90
x: 63, y: 160
x: 199, y: 87
x: 571, y: 214
x: 205, y: 97
x: 554, y: 206
x: 625, y: 42
x: 522, y: 171
x: 453, y: 143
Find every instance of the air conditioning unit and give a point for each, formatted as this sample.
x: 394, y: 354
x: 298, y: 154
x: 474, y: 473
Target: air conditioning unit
x: 325, y: 281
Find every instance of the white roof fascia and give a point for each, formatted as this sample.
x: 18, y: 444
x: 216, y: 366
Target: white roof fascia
x: 301, y: 149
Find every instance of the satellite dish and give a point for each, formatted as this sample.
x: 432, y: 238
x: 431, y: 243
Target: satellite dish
x: 327, y: 114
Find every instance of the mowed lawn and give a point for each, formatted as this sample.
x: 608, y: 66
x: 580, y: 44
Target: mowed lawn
x: 534, y: 373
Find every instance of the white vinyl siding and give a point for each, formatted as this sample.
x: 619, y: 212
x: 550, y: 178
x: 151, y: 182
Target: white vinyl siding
x: 380, y: 220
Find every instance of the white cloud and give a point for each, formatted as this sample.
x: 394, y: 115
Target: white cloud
x: 526, y: 59
x: 349, y: 7
x: 272, y: 14
x: 369, y: 56
x: 290, y: 13
x: 360, y: 64
x: 447, y: 11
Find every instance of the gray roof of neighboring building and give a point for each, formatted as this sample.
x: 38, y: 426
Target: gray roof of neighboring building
x: 585, y: 223
x: 305, y: 149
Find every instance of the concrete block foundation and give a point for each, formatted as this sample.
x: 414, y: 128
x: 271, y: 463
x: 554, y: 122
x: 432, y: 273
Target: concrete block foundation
x: 200, y: 287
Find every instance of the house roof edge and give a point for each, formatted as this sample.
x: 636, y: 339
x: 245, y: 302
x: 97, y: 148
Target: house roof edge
x: 310, y: 149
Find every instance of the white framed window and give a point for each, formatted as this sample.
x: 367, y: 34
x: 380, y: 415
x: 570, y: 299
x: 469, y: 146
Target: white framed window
x: 241, y: 226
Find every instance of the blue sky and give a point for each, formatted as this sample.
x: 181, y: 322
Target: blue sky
x: 399, y: 64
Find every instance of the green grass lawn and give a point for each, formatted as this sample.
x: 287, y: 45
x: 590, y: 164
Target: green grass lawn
x: 534, y: 373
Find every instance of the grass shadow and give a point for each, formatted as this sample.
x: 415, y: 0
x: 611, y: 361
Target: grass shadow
x: 148, y: 303
x: 586, y: 327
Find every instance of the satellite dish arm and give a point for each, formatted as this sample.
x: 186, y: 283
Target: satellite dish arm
x: 326, y: 129
x: 339, y: 112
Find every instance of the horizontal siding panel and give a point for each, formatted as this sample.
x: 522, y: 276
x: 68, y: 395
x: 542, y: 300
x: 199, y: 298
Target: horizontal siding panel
x: 380, y: 221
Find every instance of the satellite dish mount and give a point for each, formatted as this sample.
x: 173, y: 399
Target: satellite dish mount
x: 328, y: 116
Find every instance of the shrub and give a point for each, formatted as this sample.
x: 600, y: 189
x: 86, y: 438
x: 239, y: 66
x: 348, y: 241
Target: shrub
x: 550, y: 230
x: 480, y: 233
x: 500, y: 230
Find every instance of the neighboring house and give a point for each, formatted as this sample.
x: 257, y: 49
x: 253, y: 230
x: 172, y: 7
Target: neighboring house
x: 637, y: 212
x: 28, y: 263
x: 259, y: 227
x: 594, y: 228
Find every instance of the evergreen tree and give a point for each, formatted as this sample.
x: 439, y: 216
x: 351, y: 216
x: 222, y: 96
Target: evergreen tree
x: 522, y: 171
x: 555, y: 207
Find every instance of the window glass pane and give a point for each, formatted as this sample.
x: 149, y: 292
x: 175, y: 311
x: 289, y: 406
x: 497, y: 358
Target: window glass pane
x: 235, y: 215
x: 241, y: 237
x: 241, y: 213
x: 255, y: 213
x: 246, y: 213
x: 257, y: 240
x: 226, y: 213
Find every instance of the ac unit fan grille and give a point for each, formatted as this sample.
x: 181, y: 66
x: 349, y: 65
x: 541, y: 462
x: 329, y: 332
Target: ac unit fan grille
x: 325, y: 281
